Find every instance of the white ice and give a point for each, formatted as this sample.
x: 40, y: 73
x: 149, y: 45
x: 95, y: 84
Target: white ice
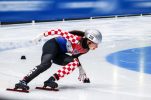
x: 108, y: 82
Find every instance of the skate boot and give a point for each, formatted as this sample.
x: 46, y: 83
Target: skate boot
x: 22, y: 85
x: 51, y: 83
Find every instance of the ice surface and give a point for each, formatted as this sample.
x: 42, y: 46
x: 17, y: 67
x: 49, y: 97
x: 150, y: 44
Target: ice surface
x: 108, y: 82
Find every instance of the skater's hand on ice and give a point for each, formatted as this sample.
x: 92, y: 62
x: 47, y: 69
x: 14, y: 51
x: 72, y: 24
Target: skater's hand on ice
x: 82, y: 75
x: 84, y: 78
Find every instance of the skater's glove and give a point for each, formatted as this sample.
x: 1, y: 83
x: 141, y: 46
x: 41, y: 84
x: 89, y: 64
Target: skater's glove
x: 86, y: 80
x: 82, y: 75
x: 37, y: 39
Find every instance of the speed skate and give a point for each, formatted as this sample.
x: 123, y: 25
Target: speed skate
x: 48, y: 89
x: 26, y: 91
x: 17, y: 90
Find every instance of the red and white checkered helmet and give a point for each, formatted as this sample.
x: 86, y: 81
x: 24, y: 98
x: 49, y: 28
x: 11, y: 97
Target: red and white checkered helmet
x: 93, y: 35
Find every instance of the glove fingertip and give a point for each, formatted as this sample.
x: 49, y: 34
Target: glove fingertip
x: 86, y: 80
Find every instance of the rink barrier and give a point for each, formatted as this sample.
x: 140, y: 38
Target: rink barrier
x: 116, y: 16
x: 63, y: 20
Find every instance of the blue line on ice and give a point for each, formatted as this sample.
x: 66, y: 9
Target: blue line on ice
x: 136, y: 59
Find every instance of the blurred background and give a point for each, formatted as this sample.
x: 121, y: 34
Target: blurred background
x: 49, y: 10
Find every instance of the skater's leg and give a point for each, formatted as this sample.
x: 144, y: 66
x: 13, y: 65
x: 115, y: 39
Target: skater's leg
x: 45, y: 64
x: 63, y: 59
x: 67, y: 69
x: 50, y: 50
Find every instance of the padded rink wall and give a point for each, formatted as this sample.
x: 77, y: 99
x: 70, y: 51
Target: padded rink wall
x: 48, y: 10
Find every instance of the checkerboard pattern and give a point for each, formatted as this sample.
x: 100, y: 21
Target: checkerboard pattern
x: 70, y: 37
x: 70, y: 67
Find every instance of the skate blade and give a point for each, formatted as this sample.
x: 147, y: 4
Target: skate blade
x: 17, y: 90
x: 49, y: 89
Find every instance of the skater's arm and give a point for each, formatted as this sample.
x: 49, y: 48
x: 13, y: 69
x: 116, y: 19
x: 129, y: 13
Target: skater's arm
x: 82, y: 74
x: 41, y: 35
x: 72, y: 38
x: 38, y: 38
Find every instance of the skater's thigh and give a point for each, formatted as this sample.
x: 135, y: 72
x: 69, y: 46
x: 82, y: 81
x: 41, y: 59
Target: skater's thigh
x: 50, y: 50
x: 63, y: 59
x: 50, y: 47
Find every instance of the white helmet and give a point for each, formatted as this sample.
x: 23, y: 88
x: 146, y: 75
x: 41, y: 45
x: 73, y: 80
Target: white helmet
x: 93, y: 35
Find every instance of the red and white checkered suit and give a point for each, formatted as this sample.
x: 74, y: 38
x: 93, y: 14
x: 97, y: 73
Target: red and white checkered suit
x: 76, y: 49
x: 67, y: 69
x: 72, y: 38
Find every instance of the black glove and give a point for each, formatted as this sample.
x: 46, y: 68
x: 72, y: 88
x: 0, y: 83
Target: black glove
x: 86, y: 80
